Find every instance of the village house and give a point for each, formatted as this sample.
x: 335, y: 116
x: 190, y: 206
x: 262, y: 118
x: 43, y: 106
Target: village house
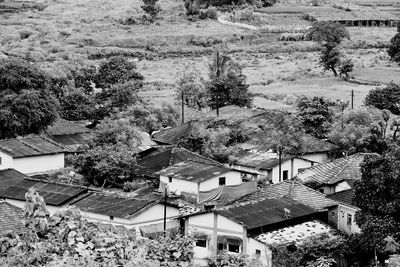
x: 31, y: 154
x: 266, y: 166
x: 240, y: 228
x: 334, y: 176
x: 193, y: 177
x: 346, y: 211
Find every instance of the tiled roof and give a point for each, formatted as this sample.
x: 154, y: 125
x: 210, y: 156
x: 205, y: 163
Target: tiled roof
x: 347, y: 168
x: 194, y: 171
x: 10, y: 217
x: 151, y: 164
x: 54, y: 194
x: 294, y: 190
x: 10, y: 177
x: 30, y: 146
x: 65, y: 127
x: 345, y: 197
x: 296, y: 233
x: 253, y: 214
x: 110, y: 205
x: 172, y: 136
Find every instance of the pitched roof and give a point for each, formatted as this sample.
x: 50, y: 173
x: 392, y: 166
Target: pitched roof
x: 10, y: 217
x: 54, y: 194
x: 151, y: 164
x: 194, y: 171
x: 345, y: 197
x: 65, y: 127
x: 10, y: 177
x: 110, y: 205
x: 294, y: 190
x: 72, y: 141
x: 173, y: 135
x: 253, y: 214
x: 347, y: 168
x: 30, y: 146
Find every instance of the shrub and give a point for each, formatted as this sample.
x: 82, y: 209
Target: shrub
x: 192, y: 7
x: 151, y: 8
x: 24, y: 34
x: 291, y: 36
x: 394, y: 48
x: 345, y: 68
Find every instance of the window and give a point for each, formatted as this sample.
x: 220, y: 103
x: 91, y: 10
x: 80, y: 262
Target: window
x: 220, y: 246
x: 0, y: 160
x: 201, y: 243
x: 209, y: 207
x: 221, y: 181
x: 233, y: 248
x: 322, y: 191
x: 111, y: 218
x: 349, y: 219
x: 258, y: 253
x: 285, y: 175
x: 170, y: 179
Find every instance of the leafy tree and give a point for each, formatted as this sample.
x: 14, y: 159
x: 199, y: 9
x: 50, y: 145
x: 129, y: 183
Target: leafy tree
x: 119, y: 141
x: 149, y: 118
x: 27, y: 104
x: 192, y: 86
x: 377, y: 194
x: 152, y: 8
x: 316, y: 115
x: 76, y: 105
x: 329, y: 35
x: 84, y: 78
x: 117, y: 70
x: 385, y: 98
x: 394, y: 48
x: 346, y: 66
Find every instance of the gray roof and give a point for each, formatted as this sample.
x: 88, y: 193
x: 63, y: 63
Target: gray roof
x: 10, y: 217
x: 10, y: 177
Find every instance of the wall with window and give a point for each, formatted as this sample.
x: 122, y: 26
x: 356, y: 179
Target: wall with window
x: 177, y: 185
x: 346, y: 219
x: 231, y: 178
x: 289, y: 169
x: 319, y: 157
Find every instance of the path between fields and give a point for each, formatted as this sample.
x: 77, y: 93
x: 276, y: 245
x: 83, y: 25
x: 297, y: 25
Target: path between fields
x: 240, y: 25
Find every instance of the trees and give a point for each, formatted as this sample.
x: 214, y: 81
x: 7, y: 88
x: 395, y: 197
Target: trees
x: 228, y: 83
x: 394, y: 48
x: 377, y: 194
x: 27, y: 104
x: 316, y: 115
x: 76, y: 105
x: 385, y: 98
x: 329, y: 35
x: 191, y: 86
x: 151, y: 8
x: 118, y: 140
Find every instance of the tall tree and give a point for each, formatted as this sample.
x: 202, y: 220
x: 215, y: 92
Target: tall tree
x: 394, y: 48
x: 385, y: 98
x: 191, y: 89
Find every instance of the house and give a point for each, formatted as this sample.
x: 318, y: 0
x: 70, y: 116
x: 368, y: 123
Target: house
x: 346, y: 211
x: 238, y: 228
x: 143, y: 215
x: 69, y: 134
x: 334, y: 176
x: 158, y: 158
x: 56, y: 195
x: 10, y: 177
x: 265, y: 166
x: 10, y: 217
x: 192, y: 177
x: 31, y: 154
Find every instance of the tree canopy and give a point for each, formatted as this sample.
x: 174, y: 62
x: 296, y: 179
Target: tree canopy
x: 385, y: 98
x: 394, y: 48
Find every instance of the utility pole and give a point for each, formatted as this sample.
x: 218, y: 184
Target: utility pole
x: 183, y: 108
x: 352, y: 99
x: 280, y: 163
x: 342, y: 104
x: 165, y: 210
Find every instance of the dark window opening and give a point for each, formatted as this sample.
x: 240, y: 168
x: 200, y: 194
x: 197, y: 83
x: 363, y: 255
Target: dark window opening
x: 209, y: 207
x: 349, y: 219
x: 201, y: 243
x: 285, y: 175
x: 220, y: 246
x: 258, y: 253
x: 111, y: 218
x: 0, y: 160
x: 233, y: 248
x: 322, y: 190
x: 170, y: 179
x: 222, y: 181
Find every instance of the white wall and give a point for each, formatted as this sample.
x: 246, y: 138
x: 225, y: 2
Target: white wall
x: 343, y: 211
x: 39, y: 164
x: 292, y: 166
x: 266, y: 254
x: 231, y: 178
x: 317, y: 157
x: 155, y: 213
x: 261, y: 173
x: 6, y: 161
x: 342, y: 186
x: 177, y: 186
x: 19, y: 203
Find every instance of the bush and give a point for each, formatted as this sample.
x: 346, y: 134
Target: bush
x: 289, y: 36
x: 192, y: 7
x: 151, y: 8
x: 210, y: 13
x: 394, y: 48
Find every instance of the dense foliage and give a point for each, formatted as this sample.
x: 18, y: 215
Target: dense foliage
x: 394, y: 48
x: 152, y: 8
x: 191, y: 86
x: 385, y: 98
x: 27, y: 100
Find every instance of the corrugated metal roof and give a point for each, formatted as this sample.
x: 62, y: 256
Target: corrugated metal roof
x: 113, y: 205
x: 254, y: 214
x: 345, y: 197
x: 30, y: 146
x: 173, y: 135
x: 151, y: 164
x: 194, y: 171
x: 347, y: 168
x: 65, y: 127
x: 294, y: 190
x: 53, y: 193
x: 10, y: 177
x: 10, y: 217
